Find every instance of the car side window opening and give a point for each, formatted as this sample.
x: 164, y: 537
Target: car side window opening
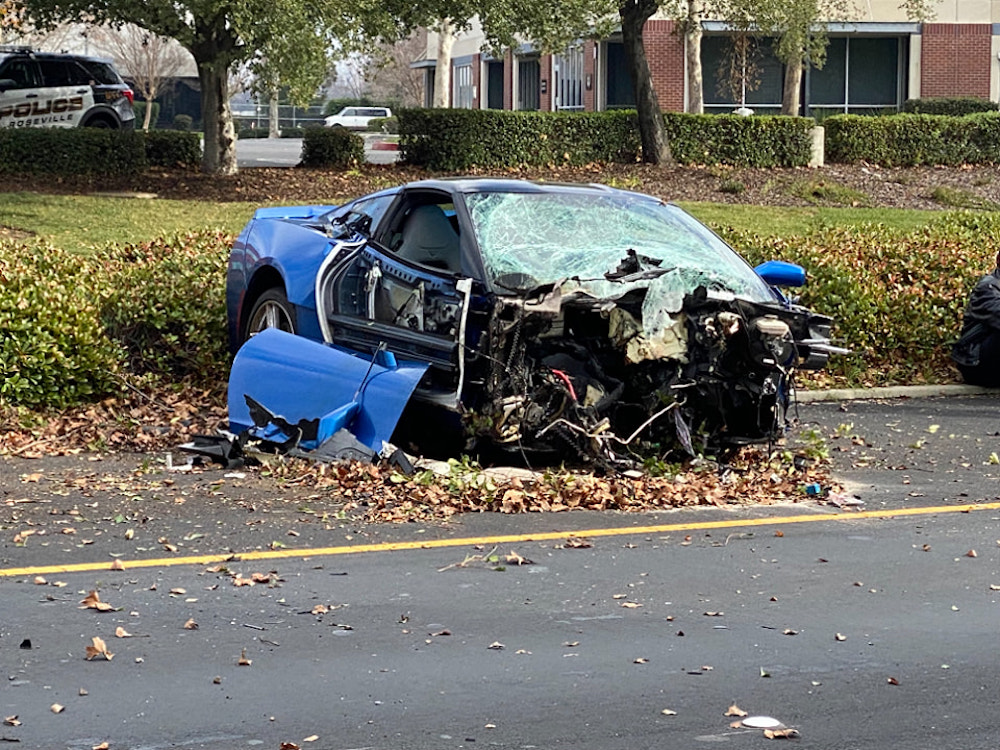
x: 428, y: 236
x: 21, y: 72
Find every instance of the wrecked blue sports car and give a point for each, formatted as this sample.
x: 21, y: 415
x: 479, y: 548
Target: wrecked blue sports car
x: 579, y: 320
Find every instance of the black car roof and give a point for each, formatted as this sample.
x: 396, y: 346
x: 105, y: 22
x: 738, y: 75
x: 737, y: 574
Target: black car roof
x: 37, y: 54
x: 508, y: 185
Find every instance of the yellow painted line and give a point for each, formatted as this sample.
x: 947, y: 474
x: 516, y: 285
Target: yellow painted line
x: 493, y: 540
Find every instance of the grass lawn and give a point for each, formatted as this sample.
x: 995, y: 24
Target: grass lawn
x: 83, y: 223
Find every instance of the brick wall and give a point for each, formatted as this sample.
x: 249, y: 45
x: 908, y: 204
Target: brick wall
x: 477, y: 71
x: 665, y: 52
x: 955, y: 59
x: 508, y: 80
x: 545, y: 75
x: 589, y: 72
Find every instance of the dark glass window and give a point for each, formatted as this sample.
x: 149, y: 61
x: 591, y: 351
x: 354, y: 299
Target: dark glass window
x: 828, y: 84
x: 21, y: 72
x: 873, y: 72
x: 724, y: 73
x: 619, y: 93
x: 529, y: 74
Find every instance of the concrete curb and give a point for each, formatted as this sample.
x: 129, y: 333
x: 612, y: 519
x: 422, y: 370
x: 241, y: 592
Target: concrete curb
x: 893, y: 391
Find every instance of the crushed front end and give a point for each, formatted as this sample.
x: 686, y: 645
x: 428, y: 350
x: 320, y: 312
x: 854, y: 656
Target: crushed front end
x: 613, y: 381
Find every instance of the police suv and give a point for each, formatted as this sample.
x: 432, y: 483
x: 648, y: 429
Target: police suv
x: 44, y: 89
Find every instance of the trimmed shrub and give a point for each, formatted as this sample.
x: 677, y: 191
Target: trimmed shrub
x: 172, y: 148
x: 956, y: 106
x: 912, y: 140
x: 897, y: 297
x: 73, y: 325
x: 183, y: 122
x: 65, y: 151
x: 455, y: 140
x: 331, y: 147
x: 165, y: 306
x: 140, y: 113
x: 383, y: 125
x: 54, y: 351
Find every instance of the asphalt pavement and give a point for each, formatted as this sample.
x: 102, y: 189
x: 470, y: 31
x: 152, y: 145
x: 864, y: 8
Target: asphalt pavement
x: 287, y: 152
x: 869, y: 625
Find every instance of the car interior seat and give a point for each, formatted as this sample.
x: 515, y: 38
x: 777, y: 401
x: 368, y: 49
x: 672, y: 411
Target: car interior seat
x: 429, y: 239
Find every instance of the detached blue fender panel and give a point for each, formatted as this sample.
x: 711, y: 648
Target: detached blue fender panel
x: 301, y: 379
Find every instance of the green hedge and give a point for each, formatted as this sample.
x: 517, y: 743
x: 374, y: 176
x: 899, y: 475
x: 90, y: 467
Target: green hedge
x: 332, y: 147
x: 912, y: 140
x: 140, y: 112
x: 66, y: 151
x: 455, y: 140
x: 172, y: 148
x: 897, y: 297
x: 74, y: 324
x: 956, y: 106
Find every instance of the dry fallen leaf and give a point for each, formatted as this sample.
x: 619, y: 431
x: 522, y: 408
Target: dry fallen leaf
x: 311, y: 738
x: 575, y: 542
x: 735, y: 710
x: 289, y: 746
x: 93, y: 601
x: 515, y: 559
x: 40, y: 581
x: 840, y: 637
x: 243, y: 660
x: 971, y: 553
x: 781, y: 734
x: 320, y: 609
x: 631, y: 605
x: 121, y: 632
x: 178, y: 592
x: 714, y: 614
x: 102, y: 746
x: 56, y: 708
x: 789, y: 631
x: 98, y: 648
x: 892, y: 681
x: 12, y: 721
x: 117, y: 564
x: 779, y: 533
x: 496, y: 645
x: 640, y: 660
x: 191, y: 625
x: 668, y: 712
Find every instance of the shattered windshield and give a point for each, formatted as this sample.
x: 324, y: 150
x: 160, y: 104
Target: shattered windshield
x: 606, y: 244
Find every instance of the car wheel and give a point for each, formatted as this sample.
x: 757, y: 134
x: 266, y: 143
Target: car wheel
x: 271, y: 310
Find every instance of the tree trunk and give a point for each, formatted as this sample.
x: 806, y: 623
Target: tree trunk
x: 652, y: 131
x: 148, y: 114
x: 696, y: 100
x: 273, y: 116
x: 442, y: 73
x: 217, y: 119
x: 793, y: 85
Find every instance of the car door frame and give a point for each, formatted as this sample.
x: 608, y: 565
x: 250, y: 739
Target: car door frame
x: 360, y: 330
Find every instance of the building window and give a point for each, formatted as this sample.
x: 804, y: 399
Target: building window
x: 568, y: 71
x: 618, y: 90
x: 529, y: 76
x: 462, y: 87
x: 737, y: 75
x: 861, y: 75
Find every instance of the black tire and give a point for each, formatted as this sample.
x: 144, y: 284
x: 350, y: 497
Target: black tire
x: 270, y: 310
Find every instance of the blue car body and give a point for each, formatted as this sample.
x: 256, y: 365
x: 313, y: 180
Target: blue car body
x: 546, y: 315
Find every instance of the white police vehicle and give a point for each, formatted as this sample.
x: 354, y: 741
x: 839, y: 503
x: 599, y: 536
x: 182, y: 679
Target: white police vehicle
x: 45, y: 89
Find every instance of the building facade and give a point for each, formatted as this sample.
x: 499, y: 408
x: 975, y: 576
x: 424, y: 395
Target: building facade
x: 873, y: 64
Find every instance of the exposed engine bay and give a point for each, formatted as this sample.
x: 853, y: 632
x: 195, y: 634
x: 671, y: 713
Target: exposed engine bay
x: 585, y: 377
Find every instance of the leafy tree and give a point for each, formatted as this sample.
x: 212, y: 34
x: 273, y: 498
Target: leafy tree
x: 148, y: 60
x: 11, y: 18
x: 289, y: 39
